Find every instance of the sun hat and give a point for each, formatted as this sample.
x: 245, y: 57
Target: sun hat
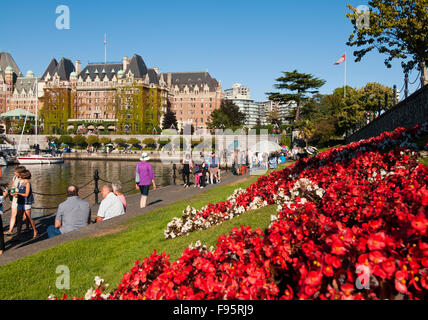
x: 144, y: 157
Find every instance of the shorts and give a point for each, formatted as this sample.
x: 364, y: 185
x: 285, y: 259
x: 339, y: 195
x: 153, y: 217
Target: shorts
x: 24, y: 207
x: 213, y: 171
x: 14, y: 203
x: 144, y: 190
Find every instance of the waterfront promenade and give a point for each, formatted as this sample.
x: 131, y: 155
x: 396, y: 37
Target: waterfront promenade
x: 157, y: 199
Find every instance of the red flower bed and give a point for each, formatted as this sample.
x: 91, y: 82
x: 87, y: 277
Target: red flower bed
x: 352, y: 224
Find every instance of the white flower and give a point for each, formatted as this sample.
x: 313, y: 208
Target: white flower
x: 98, y: 281
x: 90, y: 294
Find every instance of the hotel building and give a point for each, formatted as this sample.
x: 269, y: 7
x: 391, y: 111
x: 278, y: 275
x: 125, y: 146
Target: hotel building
x: 193, y: 97
x: 16, y: 90
x: 121, y: 96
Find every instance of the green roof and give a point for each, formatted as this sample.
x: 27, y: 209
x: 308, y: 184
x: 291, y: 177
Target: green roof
x: 17, y: 113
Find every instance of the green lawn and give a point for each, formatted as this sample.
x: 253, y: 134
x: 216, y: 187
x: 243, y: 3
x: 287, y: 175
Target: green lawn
x: 110, y: 256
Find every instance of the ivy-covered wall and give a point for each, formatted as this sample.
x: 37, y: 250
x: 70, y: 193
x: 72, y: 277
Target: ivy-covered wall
x: 138, y: 110
x: 57, y: 109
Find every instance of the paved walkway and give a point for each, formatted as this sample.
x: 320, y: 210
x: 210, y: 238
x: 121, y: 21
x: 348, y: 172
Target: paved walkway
x: 162, y: 197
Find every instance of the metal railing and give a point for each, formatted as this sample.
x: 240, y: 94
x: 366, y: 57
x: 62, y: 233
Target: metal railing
x: 96, y: 190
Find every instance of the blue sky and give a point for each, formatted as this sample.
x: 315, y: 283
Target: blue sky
x: 249, y: 42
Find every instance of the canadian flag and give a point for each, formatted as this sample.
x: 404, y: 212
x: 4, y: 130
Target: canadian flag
x: 342, y: 59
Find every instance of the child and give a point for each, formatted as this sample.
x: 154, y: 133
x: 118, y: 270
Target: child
x: 25, y: 201
x: 3, y: 194
x: 198, y: 174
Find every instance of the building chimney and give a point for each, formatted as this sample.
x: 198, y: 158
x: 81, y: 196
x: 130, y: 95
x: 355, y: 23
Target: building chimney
x: 156, y: 70
x: 125, y: 63
x: 78, y: 66
x: 169, y: 80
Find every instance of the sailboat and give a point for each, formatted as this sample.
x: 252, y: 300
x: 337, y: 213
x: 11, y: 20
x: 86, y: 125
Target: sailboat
x: 33, y: 158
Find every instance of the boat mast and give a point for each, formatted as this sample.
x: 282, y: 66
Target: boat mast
x: 37, y: 106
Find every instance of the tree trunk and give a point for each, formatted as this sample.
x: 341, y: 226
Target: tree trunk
x: 297, y: 113
x: 424, y: 72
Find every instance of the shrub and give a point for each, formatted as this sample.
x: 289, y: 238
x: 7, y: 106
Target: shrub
x: 163, y: 141
x: 65, y: 140
x: 105, y: 140
x: 150, y: 143
x: 135, y: 143
x: 285, y: 140
x: 121, y: 142
x: 93, y: 141
x: 52, y: 139
x: 79, y: 141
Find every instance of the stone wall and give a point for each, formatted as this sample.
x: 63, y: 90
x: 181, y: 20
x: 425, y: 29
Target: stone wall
x: 408, y: 113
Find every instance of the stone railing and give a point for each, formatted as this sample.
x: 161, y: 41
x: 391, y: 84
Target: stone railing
x: 408, y: 113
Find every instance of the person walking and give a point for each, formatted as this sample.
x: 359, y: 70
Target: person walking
x: 236, y: 166
x: 3, y: 195
x: 273, y: 161
x: 72, y: 214
x: 213, y: 168
x: 246, y: 161
x: 205, y: 174
x: 144, y: 176
x: 187, y: 163
x: 111, y: 206
x: 117, y: 190
x: 26, y: 192
x: 14, y: 211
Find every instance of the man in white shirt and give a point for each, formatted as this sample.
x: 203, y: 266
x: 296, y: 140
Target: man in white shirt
x: 111, y: 206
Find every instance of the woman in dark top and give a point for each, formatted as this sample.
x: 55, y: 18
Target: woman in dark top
x: 3, y: 195
x: 186, y: 171
x: 25, y: 201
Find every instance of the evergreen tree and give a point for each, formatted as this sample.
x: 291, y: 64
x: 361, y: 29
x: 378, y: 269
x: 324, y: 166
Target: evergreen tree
x: 169, y: 119
x: 227, y: 116
x: 299, y: 87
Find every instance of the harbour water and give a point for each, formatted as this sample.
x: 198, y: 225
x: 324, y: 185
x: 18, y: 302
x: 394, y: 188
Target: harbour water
x: 54, y: 179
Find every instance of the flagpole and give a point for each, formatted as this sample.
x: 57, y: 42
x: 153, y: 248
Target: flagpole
x: 344, y: 91
x: 105, y: 48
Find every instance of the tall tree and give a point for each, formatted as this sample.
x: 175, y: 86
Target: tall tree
x: 373, y: 94
x: 227, y: 116
x: 398, y: 28
x: 274, y: 118
x: 300, y: 87
x: 169, y: 119
x: 231, y: 110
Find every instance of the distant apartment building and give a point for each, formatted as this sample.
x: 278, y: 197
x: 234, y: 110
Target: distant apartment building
x: 240, y: 95
x: 237, y: 91
x: 193, y: 97
x: 257, y: 112
x: 121, y: 96
x: 283, y: 110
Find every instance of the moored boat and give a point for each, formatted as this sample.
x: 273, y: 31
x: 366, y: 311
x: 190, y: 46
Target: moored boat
x: 40, y: 159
